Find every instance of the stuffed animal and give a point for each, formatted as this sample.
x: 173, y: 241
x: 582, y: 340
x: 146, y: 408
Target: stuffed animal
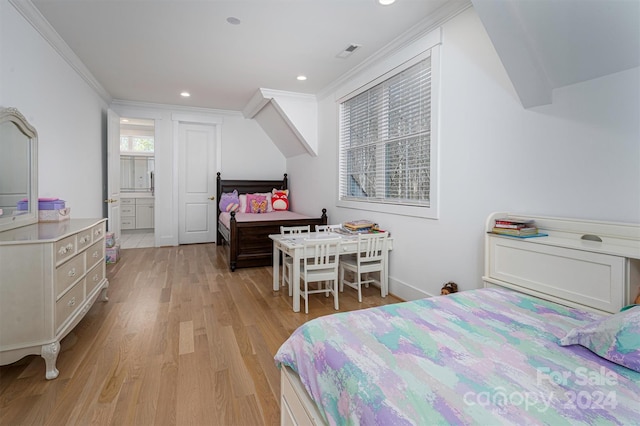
x: 229, y: 201
x: 280, y: 199
x: 449, y: 288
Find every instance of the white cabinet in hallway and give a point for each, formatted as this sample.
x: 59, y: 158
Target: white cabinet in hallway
x: 144, y: 213
x: 137, y: 213
x: 128, y: 213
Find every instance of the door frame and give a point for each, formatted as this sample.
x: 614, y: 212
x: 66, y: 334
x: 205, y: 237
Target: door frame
x: 130, y: 112
x: 113, y: 174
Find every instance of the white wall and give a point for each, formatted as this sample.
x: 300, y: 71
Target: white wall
x: 64, y: 109
x: 579, y: 157
x: 247, y: 151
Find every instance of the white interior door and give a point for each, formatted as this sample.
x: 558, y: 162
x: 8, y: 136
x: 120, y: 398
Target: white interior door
x: 113, y: 170
x: 197, y: 183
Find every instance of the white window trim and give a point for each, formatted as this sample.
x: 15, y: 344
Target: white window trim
x: 137, y: 153
x: 429, y: 212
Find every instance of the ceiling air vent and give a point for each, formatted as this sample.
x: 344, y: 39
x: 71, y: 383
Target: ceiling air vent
x: 348, y: 51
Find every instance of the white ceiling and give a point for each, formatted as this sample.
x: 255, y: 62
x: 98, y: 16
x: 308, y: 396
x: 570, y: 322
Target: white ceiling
x: 150, y: 51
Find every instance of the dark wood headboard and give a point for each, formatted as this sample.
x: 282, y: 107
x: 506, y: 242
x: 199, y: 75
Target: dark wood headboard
x: 247, y: 187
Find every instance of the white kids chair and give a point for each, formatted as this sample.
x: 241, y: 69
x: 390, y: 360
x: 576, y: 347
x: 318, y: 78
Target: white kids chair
x: 369, y: 258
x: 320, y: 264
x: 287, y: 261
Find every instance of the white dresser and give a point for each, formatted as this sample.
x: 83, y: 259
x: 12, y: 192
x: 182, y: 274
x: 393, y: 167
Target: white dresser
x: 50, y: 275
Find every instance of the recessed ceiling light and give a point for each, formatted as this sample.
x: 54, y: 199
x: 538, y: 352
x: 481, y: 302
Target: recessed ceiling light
x: 386, y: 2
x: 233, y: 20
x: 301, y: 77
x: 185, y: 94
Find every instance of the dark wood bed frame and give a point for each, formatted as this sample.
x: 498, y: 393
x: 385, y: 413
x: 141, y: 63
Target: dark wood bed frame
x: 248, y: 243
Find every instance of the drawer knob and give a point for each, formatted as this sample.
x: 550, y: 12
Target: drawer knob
x: 95, y: 254
x: 65, y: 249
x: 85, y: 239
x: 72, y: 302
x: 97, y: 232
x: 72, y: 272
x: 96, y: 278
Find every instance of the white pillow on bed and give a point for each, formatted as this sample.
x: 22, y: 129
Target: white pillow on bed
x: 615, y: 338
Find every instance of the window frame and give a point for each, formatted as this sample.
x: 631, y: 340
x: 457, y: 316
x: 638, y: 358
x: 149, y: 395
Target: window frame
x: 430, y: 211
x: 130, y: 141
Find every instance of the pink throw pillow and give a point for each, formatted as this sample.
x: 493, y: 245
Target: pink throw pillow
x: 256, y: 203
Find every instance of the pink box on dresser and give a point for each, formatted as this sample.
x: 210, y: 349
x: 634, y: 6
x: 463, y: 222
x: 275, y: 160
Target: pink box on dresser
x: 54, y: 215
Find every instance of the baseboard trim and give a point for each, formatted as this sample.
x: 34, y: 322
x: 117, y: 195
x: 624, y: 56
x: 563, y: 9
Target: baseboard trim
x: 405, y: 291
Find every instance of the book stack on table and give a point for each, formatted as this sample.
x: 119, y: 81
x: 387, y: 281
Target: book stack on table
x: 516, y: 228
x: 361, y: 226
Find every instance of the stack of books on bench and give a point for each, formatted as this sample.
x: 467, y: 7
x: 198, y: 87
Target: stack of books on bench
x: 516, y: 228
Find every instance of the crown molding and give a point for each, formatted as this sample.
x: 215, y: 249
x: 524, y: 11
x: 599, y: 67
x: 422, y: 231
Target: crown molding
x: 44, y: 28
x: 174, y: 108
x: 447, y: 11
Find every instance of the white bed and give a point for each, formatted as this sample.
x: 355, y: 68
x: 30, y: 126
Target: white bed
x: 569, y: 267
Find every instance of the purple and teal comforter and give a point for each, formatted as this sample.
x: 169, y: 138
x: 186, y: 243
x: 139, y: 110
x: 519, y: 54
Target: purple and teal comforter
x: 487, y: 356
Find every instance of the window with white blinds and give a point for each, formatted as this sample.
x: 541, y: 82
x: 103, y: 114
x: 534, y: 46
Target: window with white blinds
x: 385, y: 140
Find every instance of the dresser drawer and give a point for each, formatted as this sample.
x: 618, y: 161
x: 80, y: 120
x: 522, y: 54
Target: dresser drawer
x: 68, y: 273
x: 84, y: 239
x: 65, y: 248
x: 95, y: 277
x: 95, y: 254
x: 67, y: 305
x: 97, y: 232
x: 127, y: 201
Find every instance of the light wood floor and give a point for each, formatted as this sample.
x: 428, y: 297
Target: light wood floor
x: 181, y: 341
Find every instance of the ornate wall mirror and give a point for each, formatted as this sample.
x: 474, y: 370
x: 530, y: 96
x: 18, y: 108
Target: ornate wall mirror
x: 18, y: 170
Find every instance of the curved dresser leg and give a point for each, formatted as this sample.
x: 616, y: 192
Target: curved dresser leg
x: 103, y: 295
x: 50, y: 355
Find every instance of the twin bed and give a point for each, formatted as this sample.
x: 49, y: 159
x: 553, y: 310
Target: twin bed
x: 543, y: 343
x: 246, y: 235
